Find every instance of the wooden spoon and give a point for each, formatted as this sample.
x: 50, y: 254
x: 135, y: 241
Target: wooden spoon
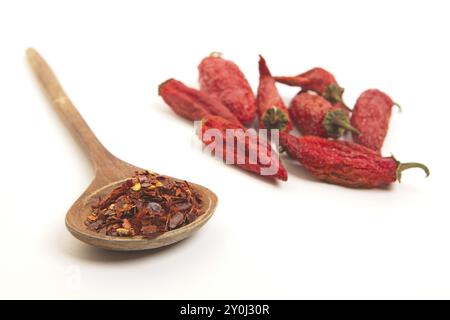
x: 109, y: 173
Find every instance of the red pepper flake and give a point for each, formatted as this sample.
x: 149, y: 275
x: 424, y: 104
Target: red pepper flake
x: 146, y: 205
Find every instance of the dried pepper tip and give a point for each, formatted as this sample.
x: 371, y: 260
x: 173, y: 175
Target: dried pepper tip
x: 333, y: 93
x: 162, y: 84
x: 263, y: 69
x: 275, y: 118
x: 405, y: 166
x: 336, y: 122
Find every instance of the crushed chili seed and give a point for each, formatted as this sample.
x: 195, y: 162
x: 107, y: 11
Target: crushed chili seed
x: 146, y: 205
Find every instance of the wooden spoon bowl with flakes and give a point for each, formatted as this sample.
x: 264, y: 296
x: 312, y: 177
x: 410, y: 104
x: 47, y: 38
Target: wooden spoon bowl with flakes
x: 110, y: 172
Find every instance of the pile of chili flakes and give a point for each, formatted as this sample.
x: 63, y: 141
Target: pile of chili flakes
x: 146, y: 205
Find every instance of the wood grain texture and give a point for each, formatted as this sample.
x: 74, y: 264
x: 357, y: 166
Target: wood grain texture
x: 109, y: 173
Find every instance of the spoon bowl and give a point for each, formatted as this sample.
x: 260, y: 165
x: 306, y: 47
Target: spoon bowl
x: 110, y: 172
x: 77, y: 214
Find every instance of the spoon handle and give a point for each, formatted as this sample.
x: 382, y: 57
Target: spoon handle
x: 67, y: 111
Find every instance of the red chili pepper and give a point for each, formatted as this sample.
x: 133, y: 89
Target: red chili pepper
x: 272, y: 112
x: 318, y: 80
x: 192, y: 104
x: 315, y: 116
x: 371, y: 117
x: 224, y: 80
x: 345, y: 163
x: 216, y: 133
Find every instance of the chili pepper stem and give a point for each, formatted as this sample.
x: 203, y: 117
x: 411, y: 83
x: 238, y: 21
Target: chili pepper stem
x: 398, y: 106
x: 336, y: 122
x: 333, y: 93
x: 216, y: 54
x: 345, y: 125
x: 275, y: 118
x: 405, y: 166
x: 344, y: 105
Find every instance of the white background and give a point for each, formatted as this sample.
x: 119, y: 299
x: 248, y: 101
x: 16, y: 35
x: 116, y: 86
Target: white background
x: 299, y: 239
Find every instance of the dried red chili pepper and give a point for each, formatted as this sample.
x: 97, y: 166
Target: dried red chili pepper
x: 146, y: 205
x: 371, y: 117
x: 192, y: 104
x: 315, y: 116
x: 220, y: 134
x: 272, y: 112
x: 345, y: 163
x: 224, y: 80
x: 318, y: 80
